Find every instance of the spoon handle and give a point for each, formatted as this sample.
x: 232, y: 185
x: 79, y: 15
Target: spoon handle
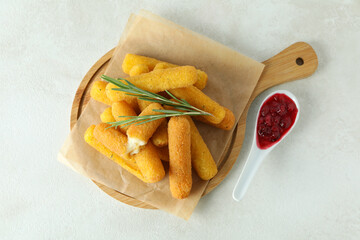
x: 252, y: 164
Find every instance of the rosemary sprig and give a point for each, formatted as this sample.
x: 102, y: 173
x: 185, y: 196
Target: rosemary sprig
x: 130, y: 89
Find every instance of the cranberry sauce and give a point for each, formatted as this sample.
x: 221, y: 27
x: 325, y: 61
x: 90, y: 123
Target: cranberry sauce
x: 276, y: 117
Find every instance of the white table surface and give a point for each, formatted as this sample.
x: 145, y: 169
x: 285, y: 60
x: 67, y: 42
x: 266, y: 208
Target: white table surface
x: 308, y: 188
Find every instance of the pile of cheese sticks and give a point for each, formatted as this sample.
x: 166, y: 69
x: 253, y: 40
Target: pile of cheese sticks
x: 140, y: 149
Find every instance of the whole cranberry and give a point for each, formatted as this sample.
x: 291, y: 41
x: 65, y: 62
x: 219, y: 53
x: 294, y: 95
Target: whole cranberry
x: 291, y: 106
x: 286, y: 122
x: 264, y: 110
x: 277, y: 119
x: 268, y: 120
x: 275, y: 133
x: 282, y: 110
x: 261, y: 120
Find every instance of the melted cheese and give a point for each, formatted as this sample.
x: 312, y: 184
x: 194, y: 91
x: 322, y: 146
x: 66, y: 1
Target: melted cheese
x: 133, y: 145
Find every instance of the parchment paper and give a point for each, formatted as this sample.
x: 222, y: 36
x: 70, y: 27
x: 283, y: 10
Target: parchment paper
x: 232, y: 78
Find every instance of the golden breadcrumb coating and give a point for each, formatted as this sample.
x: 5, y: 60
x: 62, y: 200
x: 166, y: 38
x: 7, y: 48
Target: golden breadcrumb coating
x: 180, y: 157
x: 122, y: 108
x: 106, y: 116
x: 163, y: 153
x: 145, y: 131
x: 160, y: 137
x: 143, y: 104
x: 149, y: 163
x: 226, y: 124
x: 198, y: 99
x: 131, y: 60
x: 98, y: 92
x: 201, y: 158
x: 117, y: 96
x: 138, y: 69
x: 129, y: 165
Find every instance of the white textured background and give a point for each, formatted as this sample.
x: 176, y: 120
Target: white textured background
x: 308, y: 188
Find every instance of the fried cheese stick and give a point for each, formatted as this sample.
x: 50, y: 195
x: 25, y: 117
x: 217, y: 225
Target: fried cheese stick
x: 180, y: 157
x: 202, y: 76
x: 198, y: 99
x: 164, y: 65
x: 163, y: 153
x: 106, y: 116
x: 201, y: 158
x: 164, y: 79
x: 226, y: 124
x: 155, y: 81
x: 129, y: 164
x: 122, y: 108
x: 98, y: 92
x: 143, y: 104
x: 131, y: 60
x: 112, y: 139
x: 160, y: 137
x: 138, y: 135
x: 117, y: 96
x: 138, y: 69
x: 202, y: 80
x: 147, y: 161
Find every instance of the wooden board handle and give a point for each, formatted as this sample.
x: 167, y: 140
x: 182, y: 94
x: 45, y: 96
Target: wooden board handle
x: 295, y: 62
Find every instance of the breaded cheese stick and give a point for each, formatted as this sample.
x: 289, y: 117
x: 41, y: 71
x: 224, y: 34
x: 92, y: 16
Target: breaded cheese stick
x: 202, y: 80
x: 138, y: 135
x: 163, y: 153
x: 180, y: 157
x: 112, y: 139
x: 164, y: 65
x: 129, y: 165
x: 160, y: 136
x: 106, y: 116
x: 131, y: 60
x: 158, y: 80
x: 202, y: 76
x: 143, y: 104
x: 198, y: 99
x: 201, y: 158
x: 149, y: 163
x: 226, y: 124
x: 164, y: 79
x: 122, y: 108
x: 97, y: 92
x: 117, y: 96
x: 138, y: 69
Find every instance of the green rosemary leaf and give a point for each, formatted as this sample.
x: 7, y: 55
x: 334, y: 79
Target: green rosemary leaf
x: 130, y: 89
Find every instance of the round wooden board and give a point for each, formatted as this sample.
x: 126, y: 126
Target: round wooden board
x: 278, y: 69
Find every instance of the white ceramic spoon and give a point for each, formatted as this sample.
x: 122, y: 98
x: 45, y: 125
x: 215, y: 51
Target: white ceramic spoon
x: 257, y: 155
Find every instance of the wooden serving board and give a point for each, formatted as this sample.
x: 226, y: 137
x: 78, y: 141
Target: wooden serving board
x: 295, y: 62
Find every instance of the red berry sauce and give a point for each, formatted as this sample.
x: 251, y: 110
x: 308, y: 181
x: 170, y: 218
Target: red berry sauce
x: 276, y: 117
